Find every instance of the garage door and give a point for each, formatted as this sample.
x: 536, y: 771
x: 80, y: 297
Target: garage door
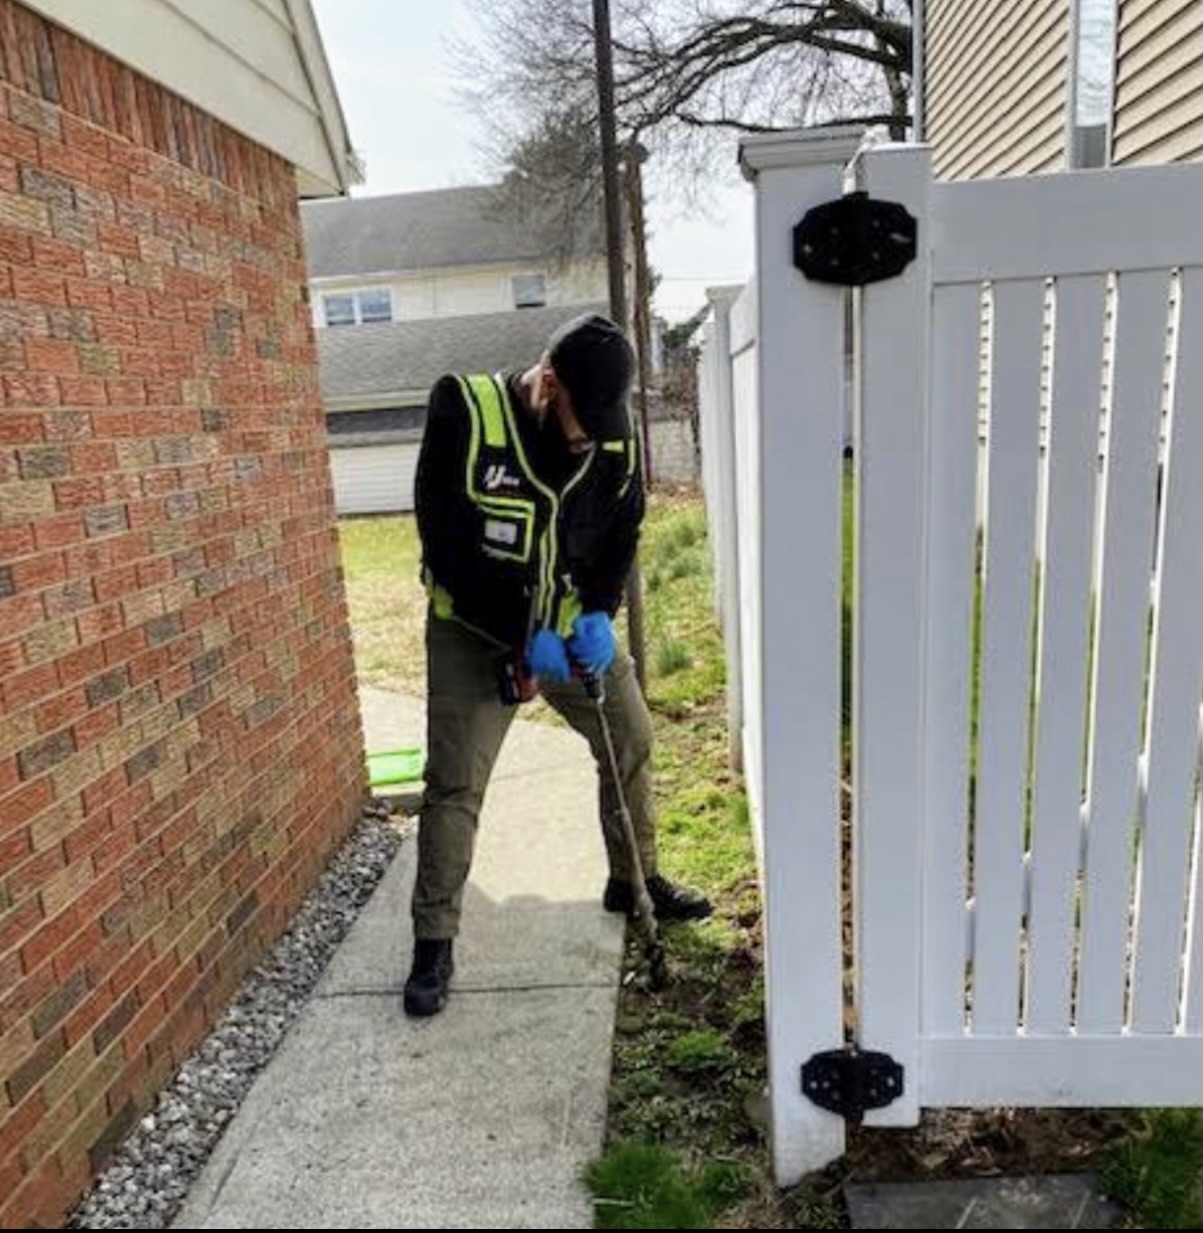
x: 374, y: 479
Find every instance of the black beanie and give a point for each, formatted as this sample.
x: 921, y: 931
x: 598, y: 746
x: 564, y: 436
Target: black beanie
x: 593, y: 361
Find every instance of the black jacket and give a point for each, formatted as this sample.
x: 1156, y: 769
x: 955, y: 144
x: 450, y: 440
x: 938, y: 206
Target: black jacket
x: 597, y: 527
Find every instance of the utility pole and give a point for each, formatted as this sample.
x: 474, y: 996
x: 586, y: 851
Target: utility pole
x: 604, y: 66
x: 635, y: 156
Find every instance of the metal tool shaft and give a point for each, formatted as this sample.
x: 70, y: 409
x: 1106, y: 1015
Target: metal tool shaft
x: 645, y: 909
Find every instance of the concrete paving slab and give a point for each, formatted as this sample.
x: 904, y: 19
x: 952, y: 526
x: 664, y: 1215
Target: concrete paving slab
x: 1055, y: 1201
x: 532, y: 909
x: 519, y: 940
x: 391, y: 720
x: 484, y: 1116
x: 479, y: 1119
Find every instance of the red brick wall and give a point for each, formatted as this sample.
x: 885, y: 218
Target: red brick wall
x: 179, y: 739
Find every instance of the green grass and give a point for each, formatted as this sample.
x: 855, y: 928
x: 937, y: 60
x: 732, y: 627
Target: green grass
x: 386, y: 601
x: 671, y: 657
x: 699, y: 1053
x: 679, y: 609
x: 645, y: 1186
x: 689, y: 1060
x: 1157, y: 1174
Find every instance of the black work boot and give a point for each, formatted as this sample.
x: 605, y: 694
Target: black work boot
x: 426, y: 988
x: 670, y: 901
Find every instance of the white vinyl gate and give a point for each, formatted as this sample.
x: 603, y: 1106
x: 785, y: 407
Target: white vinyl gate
x: 1027, y: 642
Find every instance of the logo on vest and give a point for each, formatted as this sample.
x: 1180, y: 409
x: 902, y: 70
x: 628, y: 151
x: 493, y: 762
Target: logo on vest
x: 496, y: 476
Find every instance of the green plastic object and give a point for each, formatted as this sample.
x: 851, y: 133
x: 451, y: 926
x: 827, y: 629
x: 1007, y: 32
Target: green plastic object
x: 394, y: 767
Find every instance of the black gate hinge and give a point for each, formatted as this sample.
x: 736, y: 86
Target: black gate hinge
x: 854, y: 240
x: 848, y: 1082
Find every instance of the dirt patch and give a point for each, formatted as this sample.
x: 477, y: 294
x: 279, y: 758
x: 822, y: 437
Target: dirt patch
x: 950, y: 1143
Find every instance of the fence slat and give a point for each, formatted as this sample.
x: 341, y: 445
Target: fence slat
x: 721, y: 500
x: 1177, y: 681
x: 746, y: 436
x: 1007, y: 583
x: 1123, y: 606
x: 891, y: 443
x: 1072, y: 475
x: 800, y: 376
x: 951, y: 489
x: 1192, y: 1012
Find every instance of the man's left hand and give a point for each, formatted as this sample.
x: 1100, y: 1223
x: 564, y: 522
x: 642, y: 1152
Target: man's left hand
x: 592, y: 643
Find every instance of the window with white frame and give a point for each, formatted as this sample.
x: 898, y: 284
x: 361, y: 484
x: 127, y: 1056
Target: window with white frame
x: 530, y: 290
x: 338, y: 309
x: 375, y: 305
x: 1093, y: 94
x: 357, y: 307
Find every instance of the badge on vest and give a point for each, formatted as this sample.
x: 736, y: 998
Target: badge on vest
x: 499, y: 532
x: 506, y: 539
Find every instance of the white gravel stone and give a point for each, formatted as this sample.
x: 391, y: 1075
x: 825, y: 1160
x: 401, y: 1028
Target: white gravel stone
x: 152, y: 1169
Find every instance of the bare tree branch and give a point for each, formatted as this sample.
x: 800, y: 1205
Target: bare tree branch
x: 685, y: 72
x: 680, y: 56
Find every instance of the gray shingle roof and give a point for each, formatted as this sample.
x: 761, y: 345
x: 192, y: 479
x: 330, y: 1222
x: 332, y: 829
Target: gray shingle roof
x: 415, y: 231
x: 365, y: 360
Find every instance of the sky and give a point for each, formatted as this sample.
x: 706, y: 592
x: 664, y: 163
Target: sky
x: 393, y: 67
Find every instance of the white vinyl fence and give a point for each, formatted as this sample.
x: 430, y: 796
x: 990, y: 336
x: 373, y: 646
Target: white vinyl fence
x: 1027, y: 641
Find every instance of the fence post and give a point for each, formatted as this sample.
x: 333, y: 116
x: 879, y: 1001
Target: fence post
x: 890, y: 330
x: 799, y: 377
x: 718, y: 470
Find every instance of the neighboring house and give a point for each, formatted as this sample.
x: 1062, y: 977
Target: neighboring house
x: 375, y: 383
x: 406, y: 287
x: 180, y: 744
x: 444, y: 253
x: 1018, y: 86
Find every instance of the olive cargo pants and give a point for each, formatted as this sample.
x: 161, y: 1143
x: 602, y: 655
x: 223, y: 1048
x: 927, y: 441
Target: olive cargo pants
x: 466, y: 724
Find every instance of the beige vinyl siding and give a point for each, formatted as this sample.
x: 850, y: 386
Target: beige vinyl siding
x: 1159, y: 82
x: 996, y: 86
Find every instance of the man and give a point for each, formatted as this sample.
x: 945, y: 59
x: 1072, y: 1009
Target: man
x: 529, y: 500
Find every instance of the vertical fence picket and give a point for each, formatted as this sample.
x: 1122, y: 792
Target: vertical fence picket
x: 1007, y: 594
x: 1192, y: 975
x: 1120, y: 645
x: 951, y: 494
x: 710, y: 358
x: 721, y: 492
x: 1177, y: 681
x: 745, y: 412
x: 1072, y: 472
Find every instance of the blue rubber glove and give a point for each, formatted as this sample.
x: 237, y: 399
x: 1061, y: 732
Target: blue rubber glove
x: 548, y: 656
x: 592, y: 643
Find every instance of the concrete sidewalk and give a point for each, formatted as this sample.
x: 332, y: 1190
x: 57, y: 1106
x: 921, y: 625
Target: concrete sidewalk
x: 482, y: 1117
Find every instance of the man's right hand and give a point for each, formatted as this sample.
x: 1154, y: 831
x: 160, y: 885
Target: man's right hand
x: 548, y: 656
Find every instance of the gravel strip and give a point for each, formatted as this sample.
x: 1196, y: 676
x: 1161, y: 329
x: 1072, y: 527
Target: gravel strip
x: 162, y: 1156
